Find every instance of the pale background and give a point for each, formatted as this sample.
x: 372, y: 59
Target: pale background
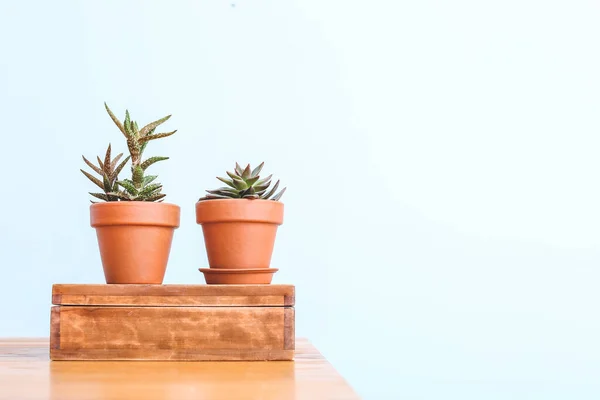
x: 442, y: 219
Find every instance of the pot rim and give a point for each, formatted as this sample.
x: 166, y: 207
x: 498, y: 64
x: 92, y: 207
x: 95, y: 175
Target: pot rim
x: 239, y: 271
x: 239, y: 210
x: 238, y: 200
x: 135, y: 213
x: 131, y: 203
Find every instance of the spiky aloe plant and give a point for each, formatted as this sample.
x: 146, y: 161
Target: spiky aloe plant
x: 109, y: 175
x: 245, y: 183
x: 140, y: 187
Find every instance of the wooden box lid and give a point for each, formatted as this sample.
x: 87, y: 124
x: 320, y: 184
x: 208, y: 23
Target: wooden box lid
x: 173, y: 295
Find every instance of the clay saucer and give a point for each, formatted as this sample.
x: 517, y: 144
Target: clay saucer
x: 238, y: 276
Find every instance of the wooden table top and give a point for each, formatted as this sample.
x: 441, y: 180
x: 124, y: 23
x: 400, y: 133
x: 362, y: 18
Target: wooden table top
x: 27, y: 373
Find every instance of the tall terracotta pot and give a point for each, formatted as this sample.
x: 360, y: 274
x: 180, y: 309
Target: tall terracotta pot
x: 135, y: 239
x: 239, y: 233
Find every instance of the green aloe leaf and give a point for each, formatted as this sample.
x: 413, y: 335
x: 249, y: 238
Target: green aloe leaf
x: 112, y: 198
x: 270, y: 193
x: 251, y: 181
x: 229, y: 190
x: 278, y: 195
x: 152, y: 125
x: 117, y: 170
x: 156, y: 197
x: 234, y: 176
x: 100, y: 163
x: 224, y: 194
x: 107, y: 183
x: 107, y: 157
x: 120, y: 195
x: 215, y: 196
x: 143, y: 147
x: 257, y: 170
x: 148, y: 179
x: 137, y: 176
x: 101, y: 196
x: 92, y: 178
x: 115, y: 160
x: 264, y: 181
x: 246, y: 172
x: 151, y: 161
x: 150, y: 189
x: 248, y: 192
x: 238, y: 169
x: 92, y: 166
x: 115, y: 119
x: 225, y: 191
x: 261, y: 188
x: 133, y: 146
x: 147, y: 138
x: 131, y: 189
x: 239, y: 184
x: 226, y: 181
x: 127, y: 124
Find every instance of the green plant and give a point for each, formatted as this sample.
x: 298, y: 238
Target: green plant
x: 109, y: 175
x: 245, y: 184
x: 140, y: 187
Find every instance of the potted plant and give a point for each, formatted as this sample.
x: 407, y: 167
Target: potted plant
x: 133, y: 225
x: 239, y: 223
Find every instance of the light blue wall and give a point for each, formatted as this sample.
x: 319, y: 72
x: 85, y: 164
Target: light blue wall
x: 440, y: 157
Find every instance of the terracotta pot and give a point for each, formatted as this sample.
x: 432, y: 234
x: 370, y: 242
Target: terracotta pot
x: 134, y: 238
x: 238, y: 276
x: 239, y: 233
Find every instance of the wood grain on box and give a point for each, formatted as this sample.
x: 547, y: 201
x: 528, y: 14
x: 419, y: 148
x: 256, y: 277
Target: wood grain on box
x: 172, y: 322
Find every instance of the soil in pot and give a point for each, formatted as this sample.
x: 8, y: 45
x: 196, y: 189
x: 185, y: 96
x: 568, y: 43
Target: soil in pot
x: 134, y: 239
x: 238, y: 276
x: 239, y: 233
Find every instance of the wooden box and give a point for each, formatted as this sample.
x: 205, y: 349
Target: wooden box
x: 172, y: 322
